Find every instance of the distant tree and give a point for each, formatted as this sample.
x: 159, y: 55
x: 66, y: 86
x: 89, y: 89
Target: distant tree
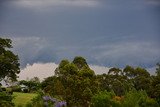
x: 103, y: 99
x: 59, y: 70
x: 80, y: 62
x: 32, y: 84
x: 129, y: 72
x: 35, y: 79
x: 155, y: 85
x: 9, y: 65
x: 115, y: 71
x: 135, y: 98
x: 49, y: 81
x: 158, y: 69
x: 138, y: 77
x: 142, y: 80
x: 117, y: 81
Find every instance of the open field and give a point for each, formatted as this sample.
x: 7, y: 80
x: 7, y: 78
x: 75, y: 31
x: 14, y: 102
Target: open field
x: 22, y: 98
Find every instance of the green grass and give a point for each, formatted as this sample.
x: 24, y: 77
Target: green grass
x: 21, y: 99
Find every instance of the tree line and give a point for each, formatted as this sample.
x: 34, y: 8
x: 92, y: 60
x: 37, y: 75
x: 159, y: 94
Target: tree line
x: 77, y: 84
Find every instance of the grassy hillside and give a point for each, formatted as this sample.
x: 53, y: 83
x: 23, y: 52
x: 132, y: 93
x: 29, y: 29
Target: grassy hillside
x: 22, y: 98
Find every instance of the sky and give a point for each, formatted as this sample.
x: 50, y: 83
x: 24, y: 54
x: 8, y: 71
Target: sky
x: 107, y: 33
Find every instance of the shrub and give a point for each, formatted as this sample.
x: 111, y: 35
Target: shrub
x: 102, y: 99
x: 132, y: 98
x: 5, y: 100
x: 151, y: 103
x: 136, y: 98
x: 16, y: 88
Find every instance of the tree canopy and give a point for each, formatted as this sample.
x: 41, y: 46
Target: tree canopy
x: 9, y: 65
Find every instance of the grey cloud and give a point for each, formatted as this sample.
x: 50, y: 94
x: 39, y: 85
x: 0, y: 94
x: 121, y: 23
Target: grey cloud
x: 41, y: 4
x: 145, y: 54
x: 117, y: 33
x: 33, y: 49
x: 153, y: 2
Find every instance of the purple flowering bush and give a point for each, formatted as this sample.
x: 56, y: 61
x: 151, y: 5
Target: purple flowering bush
x: 61, y: 104
x: 49, y: 101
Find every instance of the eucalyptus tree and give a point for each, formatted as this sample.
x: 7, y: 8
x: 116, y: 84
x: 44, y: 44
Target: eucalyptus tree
x: 9, y: 62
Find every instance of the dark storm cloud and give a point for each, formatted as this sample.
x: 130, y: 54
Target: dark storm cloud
x: 106, y: 32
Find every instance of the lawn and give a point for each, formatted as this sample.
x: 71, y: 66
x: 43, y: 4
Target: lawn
x: 22, y: 98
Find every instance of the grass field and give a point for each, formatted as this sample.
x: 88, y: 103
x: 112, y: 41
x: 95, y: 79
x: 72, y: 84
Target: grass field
x: 22, y: 98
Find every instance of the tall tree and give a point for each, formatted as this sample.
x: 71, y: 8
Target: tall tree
x: 155, y: 85
x: 9, y: 65
x: 76, y: 80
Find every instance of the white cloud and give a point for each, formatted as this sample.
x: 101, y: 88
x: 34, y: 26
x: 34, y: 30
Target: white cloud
x: 40, y: 70
x: 99, y: 69
x: 152, y: 70
x: 43, y: 70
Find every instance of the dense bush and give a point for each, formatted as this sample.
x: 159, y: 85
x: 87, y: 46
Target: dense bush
x: 106, y: 99
x: 45, y: 101
x: 5, y: 100
x: 78, y: 85
x: 132, y: 98
x: 16, y: 88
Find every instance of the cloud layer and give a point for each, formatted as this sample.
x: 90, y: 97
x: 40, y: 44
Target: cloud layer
x: 40, y: 70
x: 35, y: 49
x: 44, y: 70
x: 111, y: 33
x: 41, y: 4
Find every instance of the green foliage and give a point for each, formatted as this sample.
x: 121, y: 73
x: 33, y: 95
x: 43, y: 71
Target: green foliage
x: 150, y: 102
x: 86, y: 72
x: 158, y: 69
x: 124, y: 87
x: 102, y: 99
x: 5, y: 100
x: 59, y: 71
x: 78, y: 85
x: 69, y: 78
x: 70, y: 69
x: 115, y: 71
x: 80, y: 62
x: 9, y: 65
x: 58, y: 88
x: 33, y: 84
x: 36, y: 102
x: 136, y: 98
x: 16, y: 88
x: 9, y: 68
x: 132, y: 98
x: 47, y: 81
x: 155, y: 87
